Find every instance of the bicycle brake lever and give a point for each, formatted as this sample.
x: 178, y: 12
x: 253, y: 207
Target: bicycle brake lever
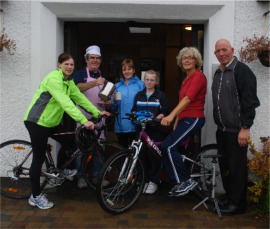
x: 156, y: 120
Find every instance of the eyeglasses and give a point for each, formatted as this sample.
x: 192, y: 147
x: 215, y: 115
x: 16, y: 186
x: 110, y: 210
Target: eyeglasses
x: 149, y: 80
x: 188, y: 58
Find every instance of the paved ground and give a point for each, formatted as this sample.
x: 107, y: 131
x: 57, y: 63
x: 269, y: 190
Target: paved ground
x: 75, y: 208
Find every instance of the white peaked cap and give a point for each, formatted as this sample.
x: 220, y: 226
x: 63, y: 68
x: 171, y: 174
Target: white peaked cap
x: 93, y: 50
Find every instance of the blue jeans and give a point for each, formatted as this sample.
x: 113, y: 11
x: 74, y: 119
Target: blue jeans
x: 172, y: 158
x: 96, y: 165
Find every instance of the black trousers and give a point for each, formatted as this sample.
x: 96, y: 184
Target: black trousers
x: 39, y: 138
x: 125, y: 139
x: 152, y: 165
x: 233, y: 167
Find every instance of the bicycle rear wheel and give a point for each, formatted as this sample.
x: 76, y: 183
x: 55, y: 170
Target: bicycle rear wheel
x: 104, y: 151
x: 116, y: 192
x: 15, y: 162
x: 203, y: 175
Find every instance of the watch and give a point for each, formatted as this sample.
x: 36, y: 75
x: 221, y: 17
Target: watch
x: 245, y: 127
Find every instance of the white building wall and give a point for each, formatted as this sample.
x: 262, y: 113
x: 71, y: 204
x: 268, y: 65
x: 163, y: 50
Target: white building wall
x: 39, y: 37
x: 15, y: 71
x: 216, y: 28
x: 248, y: 21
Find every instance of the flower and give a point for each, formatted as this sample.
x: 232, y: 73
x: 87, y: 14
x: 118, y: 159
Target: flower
x: 258, y: 167
x: 253, y: 46
x: 7, y: 44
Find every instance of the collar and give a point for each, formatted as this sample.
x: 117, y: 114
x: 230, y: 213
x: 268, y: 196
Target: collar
x: 228, y: 66
x: 64, y: 76
x: 133, y: 79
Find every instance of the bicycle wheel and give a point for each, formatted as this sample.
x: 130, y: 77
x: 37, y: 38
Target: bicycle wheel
x: 116, y: 192
x: 203, y: 174
x: 15, y: 162
x: 103, y: 151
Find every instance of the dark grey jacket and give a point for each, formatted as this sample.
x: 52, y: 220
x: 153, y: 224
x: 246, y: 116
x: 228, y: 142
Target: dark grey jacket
x: 234, y: 92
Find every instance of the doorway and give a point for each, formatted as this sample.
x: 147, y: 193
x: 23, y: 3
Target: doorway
x: 156, y: 50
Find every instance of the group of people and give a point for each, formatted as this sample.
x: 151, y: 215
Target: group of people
x: 234, y: 102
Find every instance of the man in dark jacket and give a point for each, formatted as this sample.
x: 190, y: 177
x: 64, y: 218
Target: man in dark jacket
x: 234, y: 92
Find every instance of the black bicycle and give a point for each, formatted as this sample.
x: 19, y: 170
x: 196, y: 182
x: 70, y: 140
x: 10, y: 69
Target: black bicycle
x: 121, y: 179
x: 16, y: 158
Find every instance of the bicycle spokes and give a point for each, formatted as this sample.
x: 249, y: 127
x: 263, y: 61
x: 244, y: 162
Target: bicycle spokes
x: 120, y: 183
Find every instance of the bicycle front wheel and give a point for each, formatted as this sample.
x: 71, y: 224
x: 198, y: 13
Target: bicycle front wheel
x: 103, y: 152
x: 15, y: 161
x: 119, y: 187
x: 203, y: 174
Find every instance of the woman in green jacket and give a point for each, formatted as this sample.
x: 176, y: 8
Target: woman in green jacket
x: 57, y: 94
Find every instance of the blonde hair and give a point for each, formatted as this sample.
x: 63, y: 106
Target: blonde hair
x: 192, y: 51
x: 152, y: 72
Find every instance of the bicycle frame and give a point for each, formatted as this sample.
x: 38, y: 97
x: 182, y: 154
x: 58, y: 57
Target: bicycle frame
x: 122, y: 179
x: 98, y: 130
x: 136, y: 146
x: 155, y: 148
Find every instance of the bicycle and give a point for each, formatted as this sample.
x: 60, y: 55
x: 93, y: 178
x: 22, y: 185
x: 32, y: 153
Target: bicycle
x: 124, y: 172
x: 16, y: 158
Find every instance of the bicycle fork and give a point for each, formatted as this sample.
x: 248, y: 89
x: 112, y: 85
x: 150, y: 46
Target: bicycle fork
x: 124, y: 180
x: 136, y: 145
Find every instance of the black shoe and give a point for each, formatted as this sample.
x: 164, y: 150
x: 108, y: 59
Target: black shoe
x: 223, y: 199
x: 230, y: 209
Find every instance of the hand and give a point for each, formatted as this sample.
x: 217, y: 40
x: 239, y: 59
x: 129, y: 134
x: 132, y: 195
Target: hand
x: 105, y: 113
x: 89, y: 125
x: 100, y: 80
x: 243, y: 137
x: 106, y: 103
x: 166, y: 121
x: 160, y: 116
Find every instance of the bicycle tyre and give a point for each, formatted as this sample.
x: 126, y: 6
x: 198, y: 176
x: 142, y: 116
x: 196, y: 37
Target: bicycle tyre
x: 113, y: 195
x: 15, y: 178
x: 204, y: 187
x: 105, y: 150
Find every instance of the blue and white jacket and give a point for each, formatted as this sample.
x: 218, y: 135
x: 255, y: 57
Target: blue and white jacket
x: 157, y: 103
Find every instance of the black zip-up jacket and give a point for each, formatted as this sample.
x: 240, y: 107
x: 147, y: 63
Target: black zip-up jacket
x: 234, y: 92
x: 157, y: 104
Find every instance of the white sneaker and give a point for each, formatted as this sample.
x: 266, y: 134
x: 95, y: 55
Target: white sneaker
x: 151, y: 188
x: 40, y: 201
x: 70, y: 173
x: 82, y: 183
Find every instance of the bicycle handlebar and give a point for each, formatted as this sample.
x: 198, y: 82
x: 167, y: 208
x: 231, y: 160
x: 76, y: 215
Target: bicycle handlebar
x: 142, y: 117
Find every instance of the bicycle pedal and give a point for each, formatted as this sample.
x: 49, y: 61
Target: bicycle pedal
x: 110, y: 202
x: 51, y: 175
x: 14, y: 178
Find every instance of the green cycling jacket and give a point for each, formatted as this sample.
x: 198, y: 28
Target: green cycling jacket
x: 55, y: 96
